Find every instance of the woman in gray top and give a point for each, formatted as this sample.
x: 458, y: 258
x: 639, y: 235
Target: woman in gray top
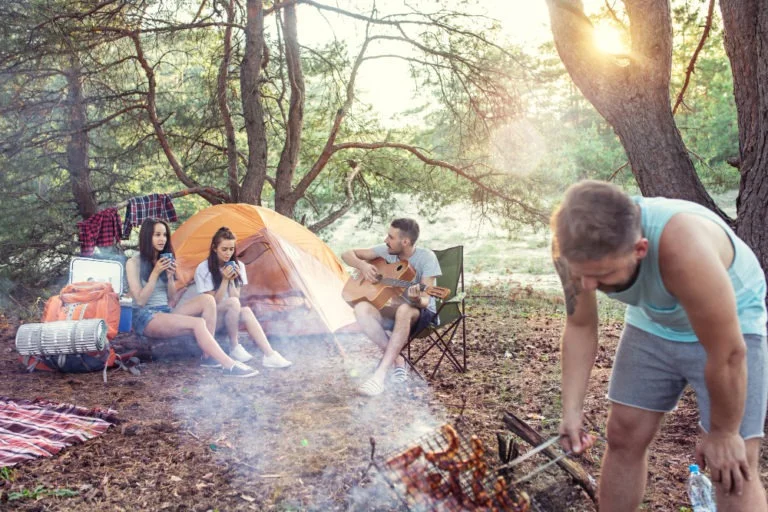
x: 153, y: 288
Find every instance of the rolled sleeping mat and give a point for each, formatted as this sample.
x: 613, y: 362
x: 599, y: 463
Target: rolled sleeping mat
x: 62, y: 337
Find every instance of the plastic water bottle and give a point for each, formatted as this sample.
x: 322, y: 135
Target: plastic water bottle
x: 700, y: 491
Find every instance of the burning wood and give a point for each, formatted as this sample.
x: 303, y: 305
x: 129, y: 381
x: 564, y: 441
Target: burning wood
x: 444, y: 474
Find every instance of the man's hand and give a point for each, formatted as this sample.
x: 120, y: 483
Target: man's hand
x: 369, y: 272
x: 573, y: 437
x: 726, y: 456
x: 414, y: 292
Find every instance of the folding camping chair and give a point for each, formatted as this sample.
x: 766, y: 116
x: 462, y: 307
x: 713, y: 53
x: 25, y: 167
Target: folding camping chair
x: 451, y: 317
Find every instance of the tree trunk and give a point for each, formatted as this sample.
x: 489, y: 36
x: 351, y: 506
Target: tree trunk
x: 285, y: 200
x: 226, y: 115
x: 253, y: 111
x: 632, y: 93
x: 746, y: 42
x: 77, y: 145
x: 157, y: 124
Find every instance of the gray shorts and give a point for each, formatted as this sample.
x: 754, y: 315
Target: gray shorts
x: 651, y: 373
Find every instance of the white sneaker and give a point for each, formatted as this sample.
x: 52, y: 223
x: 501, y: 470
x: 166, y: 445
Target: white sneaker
x: 209, y: 362
x: 240, y: 370
x: 276, y: 361
x: 240, y: 354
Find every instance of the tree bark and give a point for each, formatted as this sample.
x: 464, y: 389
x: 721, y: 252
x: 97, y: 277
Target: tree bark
x: 285, y: 201
x: 253, y: 110
x: 77, y: 145
x: 746, y: 41
x: 157, y: 125
x: 345, y: 207
x: 632, y: 94
x: 226, y: 116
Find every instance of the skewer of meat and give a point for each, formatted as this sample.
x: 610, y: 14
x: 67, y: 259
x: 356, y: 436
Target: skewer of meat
x: 523, y: 503
x: 438, y: 488
x: 478, y: 450
x: 411, y: 477
x: 454, y: 486
x: 482, y: 499
x: 416, y: 481
x: 475, y: 460
x: 479, y: 472
x: 451, y: 504
x: 502, y: 495
x: 405, y: 459
x: 450, y: 453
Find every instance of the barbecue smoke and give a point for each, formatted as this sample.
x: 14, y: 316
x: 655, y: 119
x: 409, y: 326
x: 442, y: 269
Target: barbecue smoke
x: 301, y: 437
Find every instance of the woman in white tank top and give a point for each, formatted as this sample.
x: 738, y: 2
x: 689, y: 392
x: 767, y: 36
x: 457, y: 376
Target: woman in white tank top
x: 222, y: 276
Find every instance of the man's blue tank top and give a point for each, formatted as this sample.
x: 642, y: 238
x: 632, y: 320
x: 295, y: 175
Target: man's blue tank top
x: 653, y: 309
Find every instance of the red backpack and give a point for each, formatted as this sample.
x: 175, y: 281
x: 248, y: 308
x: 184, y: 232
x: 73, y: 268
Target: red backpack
x: 78, y: 301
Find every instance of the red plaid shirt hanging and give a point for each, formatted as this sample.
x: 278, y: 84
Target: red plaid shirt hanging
x: 153, y: 206
x: 101, y: 229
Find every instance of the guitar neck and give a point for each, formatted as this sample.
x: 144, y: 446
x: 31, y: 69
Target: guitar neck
x: 435, y: 291
x: 400, y: 283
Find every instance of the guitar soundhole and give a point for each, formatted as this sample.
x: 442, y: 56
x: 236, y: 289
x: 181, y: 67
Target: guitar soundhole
x: 399, y: 268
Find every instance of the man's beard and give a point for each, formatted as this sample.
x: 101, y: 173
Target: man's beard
x: 616, y: 288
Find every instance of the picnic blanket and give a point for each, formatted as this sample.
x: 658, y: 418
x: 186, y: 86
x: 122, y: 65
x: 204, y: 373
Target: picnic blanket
x: 39, y: 428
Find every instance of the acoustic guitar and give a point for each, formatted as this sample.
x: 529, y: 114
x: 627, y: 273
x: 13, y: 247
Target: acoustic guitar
x: 393, y: 279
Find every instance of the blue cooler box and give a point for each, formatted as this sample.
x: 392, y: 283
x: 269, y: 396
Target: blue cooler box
x: 126, y: 315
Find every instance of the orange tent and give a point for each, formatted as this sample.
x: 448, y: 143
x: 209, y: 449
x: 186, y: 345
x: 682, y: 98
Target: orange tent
x: 294, y: 279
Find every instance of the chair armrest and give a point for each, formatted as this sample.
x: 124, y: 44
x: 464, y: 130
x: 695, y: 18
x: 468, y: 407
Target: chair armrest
x: 456, y: 301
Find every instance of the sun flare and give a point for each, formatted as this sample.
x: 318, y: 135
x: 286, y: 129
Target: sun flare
x: 608, y: 40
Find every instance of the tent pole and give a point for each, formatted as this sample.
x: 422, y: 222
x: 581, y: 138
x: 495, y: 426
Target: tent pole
x: 339, y: 348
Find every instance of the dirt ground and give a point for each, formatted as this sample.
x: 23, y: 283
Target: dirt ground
x: 299, y: 439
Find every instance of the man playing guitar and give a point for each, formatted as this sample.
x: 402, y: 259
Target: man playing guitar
x: 404, y: 315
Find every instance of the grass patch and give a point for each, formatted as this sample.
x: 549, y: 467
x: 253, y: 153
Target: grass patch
x: 39, y: 492
x: 527, y: 301
x: 6, y: 474
x: 523, y: 301
x: 610, y: 310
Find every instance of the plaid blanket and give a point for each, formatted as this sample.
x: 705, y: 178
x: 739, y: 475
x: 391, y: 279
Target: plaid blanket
x: 31, y: 429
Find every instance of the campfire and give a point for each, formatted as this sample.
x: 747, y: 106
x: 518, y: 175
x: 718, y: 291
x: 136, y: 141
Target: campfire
x: 446, y: 472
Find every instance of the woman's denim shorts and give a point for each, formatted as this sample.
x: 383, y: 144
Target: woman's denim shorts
x: 142, y: 317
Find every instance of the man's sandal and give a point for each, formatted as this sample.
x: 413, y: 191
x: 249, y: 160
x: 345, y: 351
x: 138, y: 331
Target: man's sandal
x: 400, y: 375
x: 371, y: 387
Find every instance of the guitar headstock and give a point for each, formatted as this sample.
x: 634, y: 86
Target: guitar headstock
x: 438, y: 291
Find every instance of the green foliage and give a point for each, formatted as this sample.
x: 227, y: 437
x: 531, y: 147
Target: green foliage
x: 39, y: 492
x: 6, y: 474
x: 580, y: 143
x: 509, y: 119
x: 707, y: 116
x: 527, y: 301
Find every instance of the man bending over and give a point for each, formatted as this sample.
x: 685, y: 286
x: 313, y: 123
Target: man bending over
x: 696, y: 316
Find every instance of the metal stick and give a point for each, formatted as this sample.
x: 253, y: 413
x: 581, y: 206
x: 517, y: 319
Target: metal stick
x: 541, y: 468
x: 527, y: 455
x: 373, y: 447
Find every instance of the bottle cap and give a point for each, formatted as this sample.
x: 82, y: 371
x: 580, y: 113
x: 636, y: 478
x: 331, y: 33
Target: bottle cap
x: 694, y: 468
